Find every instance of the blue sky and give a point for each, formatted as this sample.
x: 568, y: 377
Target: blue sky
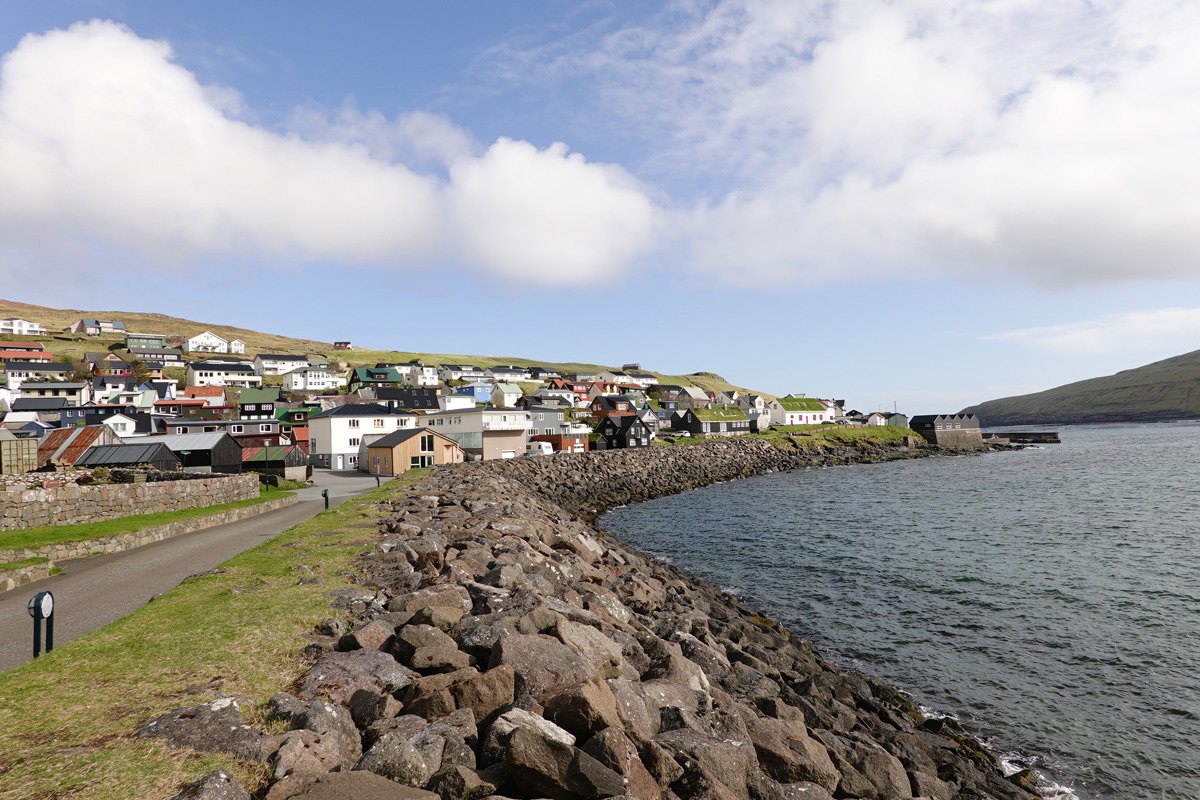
x: 919, y: 203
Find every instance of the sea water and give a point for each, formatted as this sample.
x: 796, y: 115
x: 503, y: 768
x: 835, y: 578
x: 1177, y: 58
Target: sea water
x: 1048, y: 598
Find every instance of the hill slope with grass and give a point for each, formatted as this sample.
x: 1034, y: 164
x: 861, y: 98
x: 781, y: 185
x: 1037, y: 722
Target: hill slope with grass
x: 72, y: 348
x: 1158, y: 392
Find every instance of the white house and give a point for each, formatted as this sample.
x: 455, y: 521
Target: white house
x: 461, y: 372
x: 455, y: 402
x: 237, y: 346
x: 486, y: 433
x: 506, y: 395
x: 207, y: 342
x: 509, y: 374
x: 312, y: 379
x: 222, y: 373
x: 122, y: 425
x: 21, y: 327
x: 417, y: 374
x: 278, y: 363
x: 799, y: 411
x: 335, y: 435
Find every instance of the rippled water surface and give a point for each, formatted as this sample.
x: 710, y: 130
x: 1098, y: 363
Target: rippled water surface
x: 1049, y: 598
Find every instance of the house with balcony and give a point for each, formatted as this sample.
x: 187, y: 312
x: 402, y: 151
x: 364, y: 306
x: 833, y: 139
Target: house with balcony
x: 484, y: 433
x: 335, y: 435
x: 223, y: 373
x: 21, y: 327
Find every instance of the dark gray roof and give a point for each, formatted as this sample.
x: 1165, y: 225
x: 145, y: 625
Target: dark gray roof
x: 221, y: 366
x: 396, y: 437
x: 38, y: 366
x: 281, y: 357
x: 135, y: 453
x: 39, y: 404
x: 360, y: 410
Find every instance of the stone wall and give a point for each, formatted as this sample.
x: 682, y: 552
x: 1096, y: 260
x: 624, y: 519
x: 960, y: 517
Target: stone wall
x: 126, y: 541
x: 71, y: 505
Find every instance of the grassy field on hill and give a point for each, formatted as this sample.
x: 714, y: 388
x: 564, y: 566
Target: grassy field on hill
x: 73, y: 349
x: 1158, y: 392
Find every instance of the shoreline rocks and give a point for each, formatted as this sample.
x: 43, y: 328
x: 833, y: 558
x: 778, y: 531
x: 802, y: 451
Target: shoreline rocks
x: 504, y: 646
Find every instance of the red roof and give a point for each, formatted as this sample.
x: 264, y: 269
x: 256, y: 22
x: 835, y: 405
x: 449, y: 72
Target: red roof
x: 77, y: 441
x: 20, y: 353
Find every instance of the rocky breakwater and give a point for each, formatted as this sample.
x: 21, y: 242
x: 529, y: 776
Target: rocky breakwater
x: 501, y: 646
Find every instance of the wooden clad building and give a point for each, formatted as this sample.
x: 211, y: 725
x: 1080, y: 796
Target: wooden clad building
x: 407, y: 449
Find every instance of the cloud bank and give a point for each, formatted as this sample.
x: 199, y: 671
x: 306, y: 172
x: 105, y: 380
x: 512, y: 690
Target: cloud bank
x: 1052, y: 143
x: 1135, y: 331
x: 103, y: 137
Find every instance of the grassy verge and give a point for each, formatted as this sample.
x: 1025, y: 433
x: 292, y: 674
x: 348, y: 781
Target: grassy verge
x: 26, y: 562
x: 67, y: 719
x: 57, y: 534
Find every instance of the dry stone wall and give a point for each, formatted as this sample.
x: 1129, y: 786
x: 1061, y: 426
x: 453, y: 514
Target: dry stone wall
x: 72, y: 505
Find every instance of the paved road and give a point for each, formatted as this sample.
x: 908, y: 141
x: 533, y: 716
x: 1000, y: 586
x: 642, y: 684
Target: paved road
x: 92, y: 592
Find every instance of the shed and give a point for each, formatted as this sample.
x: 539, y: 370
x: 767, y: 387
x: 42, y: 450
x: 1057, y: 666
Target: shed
x: 205, y: 452
x: 287, y: 461
x: 156, y: 454
x: 65, y: 446
x: 17, y: 454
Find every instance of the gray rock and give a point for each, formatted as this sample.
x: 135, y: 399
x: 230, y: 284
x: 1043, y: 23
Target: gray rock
x: 305, y: 753
x: 214, y: 727
x: 339, y: 675
x: 584, y: 708
x: 596, y: 649
x: 612, y: 748
x: 361, y: 786
x: 411, y: 638
x: 541, y: 663
x: 432, y: 660
x: 463, y: 783
x: 442, y: 617
x: 394, y: 757
x: 334, y: 722
x: 485, y: 693
x: 375, y: 635
x: 216, y: 785
x: 367, y: 706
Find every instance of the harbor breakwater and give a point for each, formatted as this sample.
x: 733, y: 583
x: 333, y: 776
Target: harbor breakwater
x: 503, y: 645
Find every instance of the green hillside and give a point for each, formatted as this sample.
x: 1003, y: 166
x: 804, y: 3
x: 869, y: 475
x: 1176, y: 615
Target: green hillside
x: 1158, y: 392
x: 72, y: 348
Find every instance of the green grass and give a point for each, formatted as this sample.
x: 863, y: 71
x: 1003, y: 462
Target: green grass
x: 58, y: 534
x: 27, y: 562
x: 66, y: 720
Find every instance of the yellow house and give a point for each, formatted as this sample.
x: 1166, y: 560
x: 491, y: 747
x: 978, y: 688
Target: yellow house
x: 410, y: 448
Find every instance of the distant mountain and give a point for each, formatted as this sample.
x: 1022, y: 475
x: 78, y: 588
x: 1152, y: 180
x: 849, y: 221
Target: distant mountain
x: 1164, y: 390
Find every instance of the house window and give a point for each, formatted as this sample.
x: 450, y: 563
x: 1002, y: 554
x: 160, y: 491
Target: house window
x: 264, y: 428
x: 378, y: 423
x: 355, y: 442
x: 352, y: 423
x: 237, y: 429
x: 427, y: 443
x: 420, y: 461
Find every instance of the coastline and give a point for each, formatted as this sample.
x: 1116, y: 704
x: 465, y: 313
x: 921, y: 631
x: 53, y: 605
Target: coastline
x: 578, y: 667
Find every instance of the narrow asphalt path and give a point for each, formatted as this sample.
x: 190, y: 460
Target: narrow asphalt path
x: 94, y: 591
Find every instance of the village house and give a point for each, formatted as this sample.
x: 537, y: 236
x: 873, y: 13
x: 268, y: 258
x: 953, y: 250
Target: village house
x: 606, y: 406
x: 486, y: 433
x: 334, y: 435
x: 168, y: 356
x: 711, y: 421
x: 246, y: 432
x: 478, y: 392
x: 509, y: 374
x: 408, y: 398
x: 403, y: 450
x: 76, y: 393
x: 617, y: 433
x: 505, y: 395
x: 15, y: 352
x: 543, y: 374
x: 152, y: 453
x: 312, y: 379
x: 133, y: 340
x: 222, y: 373
x: 285, y: 461
x: 799, y: 411
x: 461, y: 372
x: 209, y: 342
x: 555, y: 425
x: 18, y: 372
x: 258, y: 403
x: 455, y: 402
x: 65, y: 447
x: 204, y: 452
x: 278, y: 363
x: 96, y: 327
x: 375, y: 376
x: 20, y: 327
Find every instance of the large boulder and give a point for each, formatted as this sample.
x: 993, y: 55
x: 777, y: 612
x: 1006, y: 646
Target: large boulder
x: 214, y: 727
x: 335, y: 723
x: 339, y: 675
x: 360, y: 786
x: 596, y: 649
x: 541, y: 663
x: 584, y: 708
x: 396, y: 758
x: 612, y: 748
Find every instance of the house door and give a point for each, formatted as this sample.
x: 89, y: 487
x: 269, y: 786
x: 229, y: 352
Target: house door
x: 337, y: 462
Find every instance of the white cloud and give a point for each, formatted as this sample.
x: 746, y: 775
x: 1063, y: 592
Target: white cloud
x: 1055, y: 142
x: 104, y: 138
x: 1114, y: 333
